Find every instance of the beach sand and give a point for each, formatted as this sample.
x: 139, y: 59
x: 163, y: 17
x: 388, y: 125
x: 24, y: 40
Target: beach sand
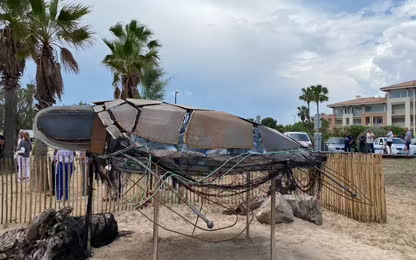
x: 338, y: 238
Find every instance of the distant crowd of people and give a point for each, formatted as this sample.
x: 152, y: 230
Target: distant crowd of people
x: 366, y: 142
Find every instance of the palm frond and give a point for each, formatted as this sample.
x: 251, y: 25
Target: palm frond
x: 79, y: 37
x: 68, y: 60
x: 38, y: 8
x: 117, y: 30
x: 53, y: 9
x: 153, y: 44
x: 70, y: 15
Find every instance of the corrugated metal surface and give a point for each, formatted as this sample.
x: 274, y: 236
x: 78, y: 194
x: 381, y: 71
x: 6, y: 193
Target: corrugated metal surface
x: 105, y: 118
x: 189, y: 108
x: 143, y: 102
x: 125, y: 115
x: 98, y: 137
x: 273, y: 140
x: 160, y: 123
x: 214, y: 130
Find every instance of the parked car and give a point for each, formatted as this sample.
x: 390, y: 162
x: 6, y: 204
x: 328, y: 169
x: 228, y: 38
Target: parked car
x: 413, y: 147
x: 397, y: 146
x: 301, y: 137
x: 335, y: 144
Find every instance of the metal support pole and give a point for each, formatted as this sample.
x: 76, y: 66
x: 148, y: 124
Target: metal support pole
x: 273, y: 218
x: 248, y: 207
x: 156, y: 220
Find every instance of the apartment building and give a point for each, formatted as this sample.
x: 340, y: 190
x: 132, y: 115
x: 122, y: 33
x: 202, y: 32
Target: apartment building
x: 397, y: 108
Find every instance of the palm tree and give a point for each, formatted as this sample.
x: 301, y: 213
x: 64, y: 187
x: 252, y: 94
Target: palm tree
x: 49, y: 28
x: 131, y: 51
x: 153, y: 86
x: 307, y: 96
x: 303, y: 113
x: 11, y: 65
x: 320, y: 94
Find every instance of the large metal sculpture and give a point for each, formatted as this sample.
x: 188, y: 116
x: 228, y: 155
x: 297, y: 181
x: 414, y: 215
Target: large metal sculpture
x: 191, y: 146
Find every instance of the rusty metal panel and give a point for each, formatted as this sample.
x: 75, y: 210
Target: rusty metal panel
x: 274, y: 140
x: 214, y: 130
x: 98, y: 137
x: 105, y: 118
x: 143, y: 102
x: 113, y: 103
x: 98, y: 108
x: 125, y: 115
x: 160, y: 123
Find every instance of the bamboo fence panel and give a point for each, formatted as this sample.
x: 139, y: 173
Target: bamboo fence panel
x: 21, y: 201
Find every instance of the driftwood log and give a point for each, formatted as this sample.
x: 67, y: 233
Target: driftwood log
x: 56, y: 235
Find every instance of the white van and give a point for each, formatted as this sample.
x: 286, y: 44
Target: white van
x: 301, y: 137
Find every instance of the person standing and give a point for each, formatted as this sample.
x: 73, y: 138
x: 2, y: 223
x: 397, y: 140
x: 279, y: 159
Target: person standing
x: 23, y: 154
x: 64, y: 168
x: 17, y: 155
x: 389, y: 141
x: 408, y: 139
x: 348, y: 142
x: 370, y: 141
x: 362, y: 143
x: 1, y: 145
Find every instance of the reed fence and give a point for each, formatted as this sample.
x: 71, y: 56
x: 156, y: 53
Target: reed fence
x: 21, y: 201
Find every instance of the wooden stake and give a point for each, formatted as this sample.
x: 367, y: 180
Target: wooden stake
x: 248, y: 206
x: 88, y: 215
x: 156, y: 219
x: 273, y: 218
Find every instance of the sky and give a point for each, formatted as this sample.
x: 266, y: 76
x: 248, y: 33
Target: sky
x: 251, y: 57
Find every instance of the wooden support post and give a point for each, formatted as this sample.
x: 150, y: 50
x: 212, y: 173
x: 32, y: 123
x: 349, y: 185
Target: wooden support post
x: 248, y: 206
x: 88, y: 216
x: 156, y: 218
x: 273, y: 218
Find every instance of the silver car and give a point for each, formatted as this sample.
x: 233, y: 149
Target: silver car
x: 336, y: 144
x: 397, y: 146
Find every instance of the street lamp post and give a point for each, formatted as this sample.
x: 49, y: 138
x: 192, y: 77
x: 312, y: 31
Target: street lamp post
x: 176, y: 92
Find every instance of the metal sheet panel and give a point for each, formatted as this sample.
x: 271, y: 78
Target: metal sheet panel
x: 98, y: 108
x: 189, y: 108
x: 160, y: 123
x: 274, y: 140
x: 98, y: 137
x: 215, y: 130
x: 143, y: 102
x: 113, y: 103
x: 125, y: 115
x: 114, y: 131
x: 105, y: 118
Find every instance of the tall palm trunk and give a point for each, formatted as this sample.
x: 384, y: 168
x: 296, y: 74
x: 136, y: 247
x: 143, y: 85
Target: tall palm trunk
x: 10, y: 121
x: 309, y: 111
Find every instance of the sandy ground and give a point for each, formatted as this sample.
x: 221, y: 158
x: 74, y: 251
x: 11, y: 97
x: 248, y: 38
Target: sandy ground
x: 338, y: 238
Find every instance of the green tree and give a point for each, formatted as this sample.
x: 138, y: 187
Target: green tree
x: 307, y: 96
x: 303, y: 113
x: 269, y: 122
x: 153, y: 84
x: 320, y: 94
x: 11, y: 65
x: 132, y: 50
x: 26, y: 108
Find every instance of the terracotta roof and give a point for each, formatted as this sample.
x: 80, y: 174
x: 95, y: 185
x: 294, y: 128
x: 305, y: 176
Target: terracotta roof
x: 407, y: 84
x: 360, y: 101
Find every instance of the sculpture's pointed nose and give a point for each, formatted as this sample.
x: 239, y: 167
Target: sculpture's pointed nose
x: 65, y: 127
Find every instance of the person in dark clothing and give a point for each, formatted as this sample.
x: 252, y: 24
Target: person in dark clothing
x: 362, y: 142
x: 348, y: 142
x: 1, y: 145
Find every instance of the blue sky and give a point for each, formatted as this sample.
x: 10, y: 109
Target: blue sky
x: 252, y: 57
